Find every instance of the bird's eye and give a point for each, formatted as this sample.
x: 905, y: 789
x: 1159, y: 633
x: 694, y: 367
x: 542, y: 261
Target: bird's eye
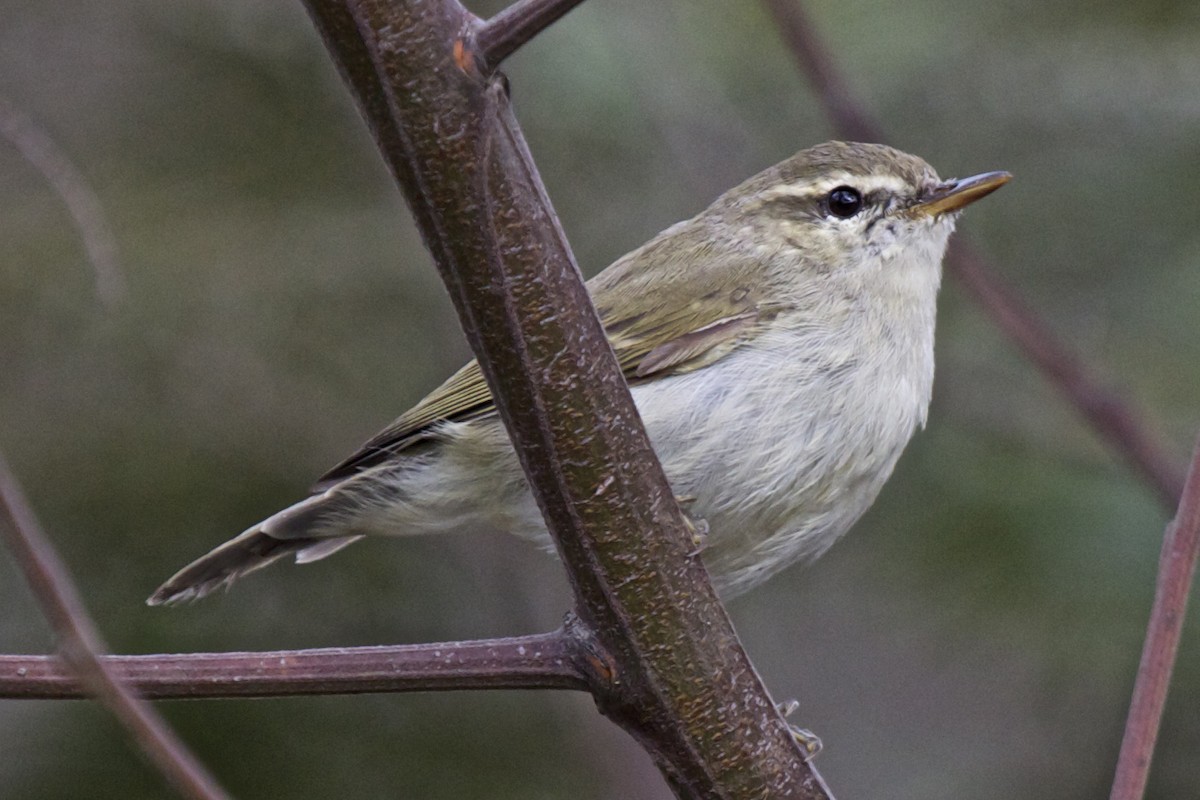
x: 844, y: 202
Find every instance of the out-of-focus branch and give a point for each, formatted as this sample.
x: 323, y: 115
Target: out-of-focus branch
x: 541, y: 661
x: 850, y: 118
x: 1176, y: 566
x: 1110, y: 415
x: 36, y: 147
x: 505, y: 33
x: 667, y: 663
x: 80, y: 646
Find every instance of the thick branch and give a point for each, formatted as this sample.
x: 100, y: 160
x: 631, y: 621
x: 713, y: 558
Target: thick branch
x: 1176, y: 566
x: 542, y: 661
x: 1110, y: 415
x: 505, y: 33
x: 80, y: 645
x: 681, y: 682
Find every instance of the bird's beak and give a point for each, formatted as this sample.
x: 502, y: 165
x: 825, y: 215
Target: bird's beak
x: 954, y: 195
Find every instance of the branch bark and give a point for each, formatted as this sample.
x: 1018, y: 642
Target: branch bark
x: 505, y: 33
x: 671, y: 670
x: 541, y: 661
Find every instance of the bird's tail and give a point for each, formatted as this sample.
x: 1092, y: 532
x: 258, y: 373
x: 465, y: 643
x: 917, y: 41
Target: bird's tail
x: 279, y: 536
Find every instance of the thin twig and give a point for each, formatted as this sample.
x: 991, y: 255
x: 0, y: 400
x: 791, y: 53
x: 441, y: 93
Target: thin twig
x: 79, y: 643
x: 540, y: 661
x: 1110, y: 415
x: 506, y: 32
x: 43, y: 154
x: 1176, y: 566
x: 1107, y: 413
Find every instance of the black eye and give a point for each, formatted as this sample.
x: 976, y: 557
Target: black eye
x: 844, y: 202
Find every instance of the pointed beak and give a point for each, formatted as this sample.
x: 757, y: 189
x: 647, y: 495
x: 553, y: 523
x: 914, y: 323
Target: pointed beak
x: 953, y: 196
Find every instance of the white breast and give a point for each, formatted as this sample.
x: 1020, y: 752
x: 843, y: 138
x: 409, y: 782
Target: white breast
x: 783, y: 444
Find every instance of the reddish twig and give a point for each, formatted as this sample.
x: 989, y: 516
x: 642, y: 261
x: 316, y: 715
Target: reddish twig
x: 1104, y: 409
x: 80, y: 644
x: 848, y: 116
x: 1176, y: 566
x: 1110, y: 415
x: 506, y: 32
x: 1107, y: 413
x: 540, y: 661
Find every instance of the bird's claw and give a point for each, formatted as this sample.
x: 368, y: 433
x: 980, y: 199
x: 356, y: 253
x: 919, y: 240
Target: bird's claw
x: 808, y: 741
x: 787, y: 707
x: 697, y: 528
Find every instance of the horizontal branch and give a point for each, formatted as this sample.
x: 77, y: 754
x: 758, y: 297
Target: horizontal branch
x: 540, y: 661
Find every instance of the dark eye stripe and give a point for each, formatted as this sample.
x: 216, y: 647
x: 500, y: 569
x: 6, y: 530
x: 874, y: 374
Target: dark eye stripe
x: 797, y: 205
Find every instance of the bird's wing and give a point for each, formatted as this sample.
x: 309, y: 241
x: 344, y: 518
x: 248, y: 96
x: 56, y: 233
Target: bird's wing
x: 657, y: 328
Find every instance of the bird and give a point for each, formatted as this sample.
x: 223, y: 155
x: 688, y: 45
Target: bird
x: 779, y: 347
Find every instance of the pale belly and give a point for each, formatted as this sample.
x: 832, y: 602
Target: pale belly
x: 778, y: 456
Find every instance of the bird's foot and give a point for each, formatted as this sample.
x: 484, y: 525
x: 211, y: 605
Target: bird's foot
x: 809, y: 741
x: 697, y: 527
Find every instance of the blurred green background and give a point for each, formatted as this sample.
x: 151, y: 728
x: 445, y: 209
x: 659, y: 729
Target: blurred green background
x: 976, y: 636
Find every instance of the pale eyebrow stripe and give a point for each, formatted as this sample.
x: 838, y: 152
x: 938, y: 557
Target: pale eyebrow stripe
x: 866, y: 184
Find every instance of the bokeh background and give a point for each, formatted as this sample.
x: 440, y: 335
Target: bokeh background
x: 977, y: 634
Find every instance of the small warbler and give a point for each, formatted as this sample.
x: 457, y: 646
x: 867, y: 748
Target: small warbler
x: 779, y: 348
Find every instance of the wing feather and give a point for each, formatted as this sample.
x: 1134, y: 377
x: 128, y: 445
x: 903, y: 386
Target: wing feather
x: 661, y: 328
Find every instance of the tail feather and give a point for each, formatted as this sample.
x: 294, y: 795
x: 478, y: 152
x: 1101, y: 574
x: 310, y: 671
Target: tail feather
x: 237, y: 557
x: 323, y: 549
x: 290, y: 532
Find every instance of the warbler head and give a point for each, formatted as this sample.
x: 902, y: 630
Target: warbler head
x: 846, y: 206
